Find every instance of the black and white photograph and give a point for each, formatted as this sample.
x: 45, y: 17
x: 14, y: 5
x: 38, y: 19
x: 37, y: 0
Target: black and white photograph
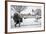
x: 25, y: 16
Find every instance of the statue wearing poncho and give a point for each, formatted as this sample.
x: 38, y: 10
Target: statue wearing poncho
x: 17, y: 16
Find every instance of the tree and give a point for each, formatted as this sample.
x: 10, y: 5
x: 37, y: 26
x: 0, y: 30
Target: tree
x: 19, y: 8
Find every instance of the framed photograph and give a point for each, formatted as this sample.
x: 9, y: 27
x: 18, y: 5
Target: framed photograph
x: 22, y: 16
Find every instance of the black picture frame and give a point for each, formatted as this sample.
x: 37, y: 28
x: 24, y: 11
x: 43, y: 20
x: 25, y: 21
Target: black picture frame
x: 22, y: 2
